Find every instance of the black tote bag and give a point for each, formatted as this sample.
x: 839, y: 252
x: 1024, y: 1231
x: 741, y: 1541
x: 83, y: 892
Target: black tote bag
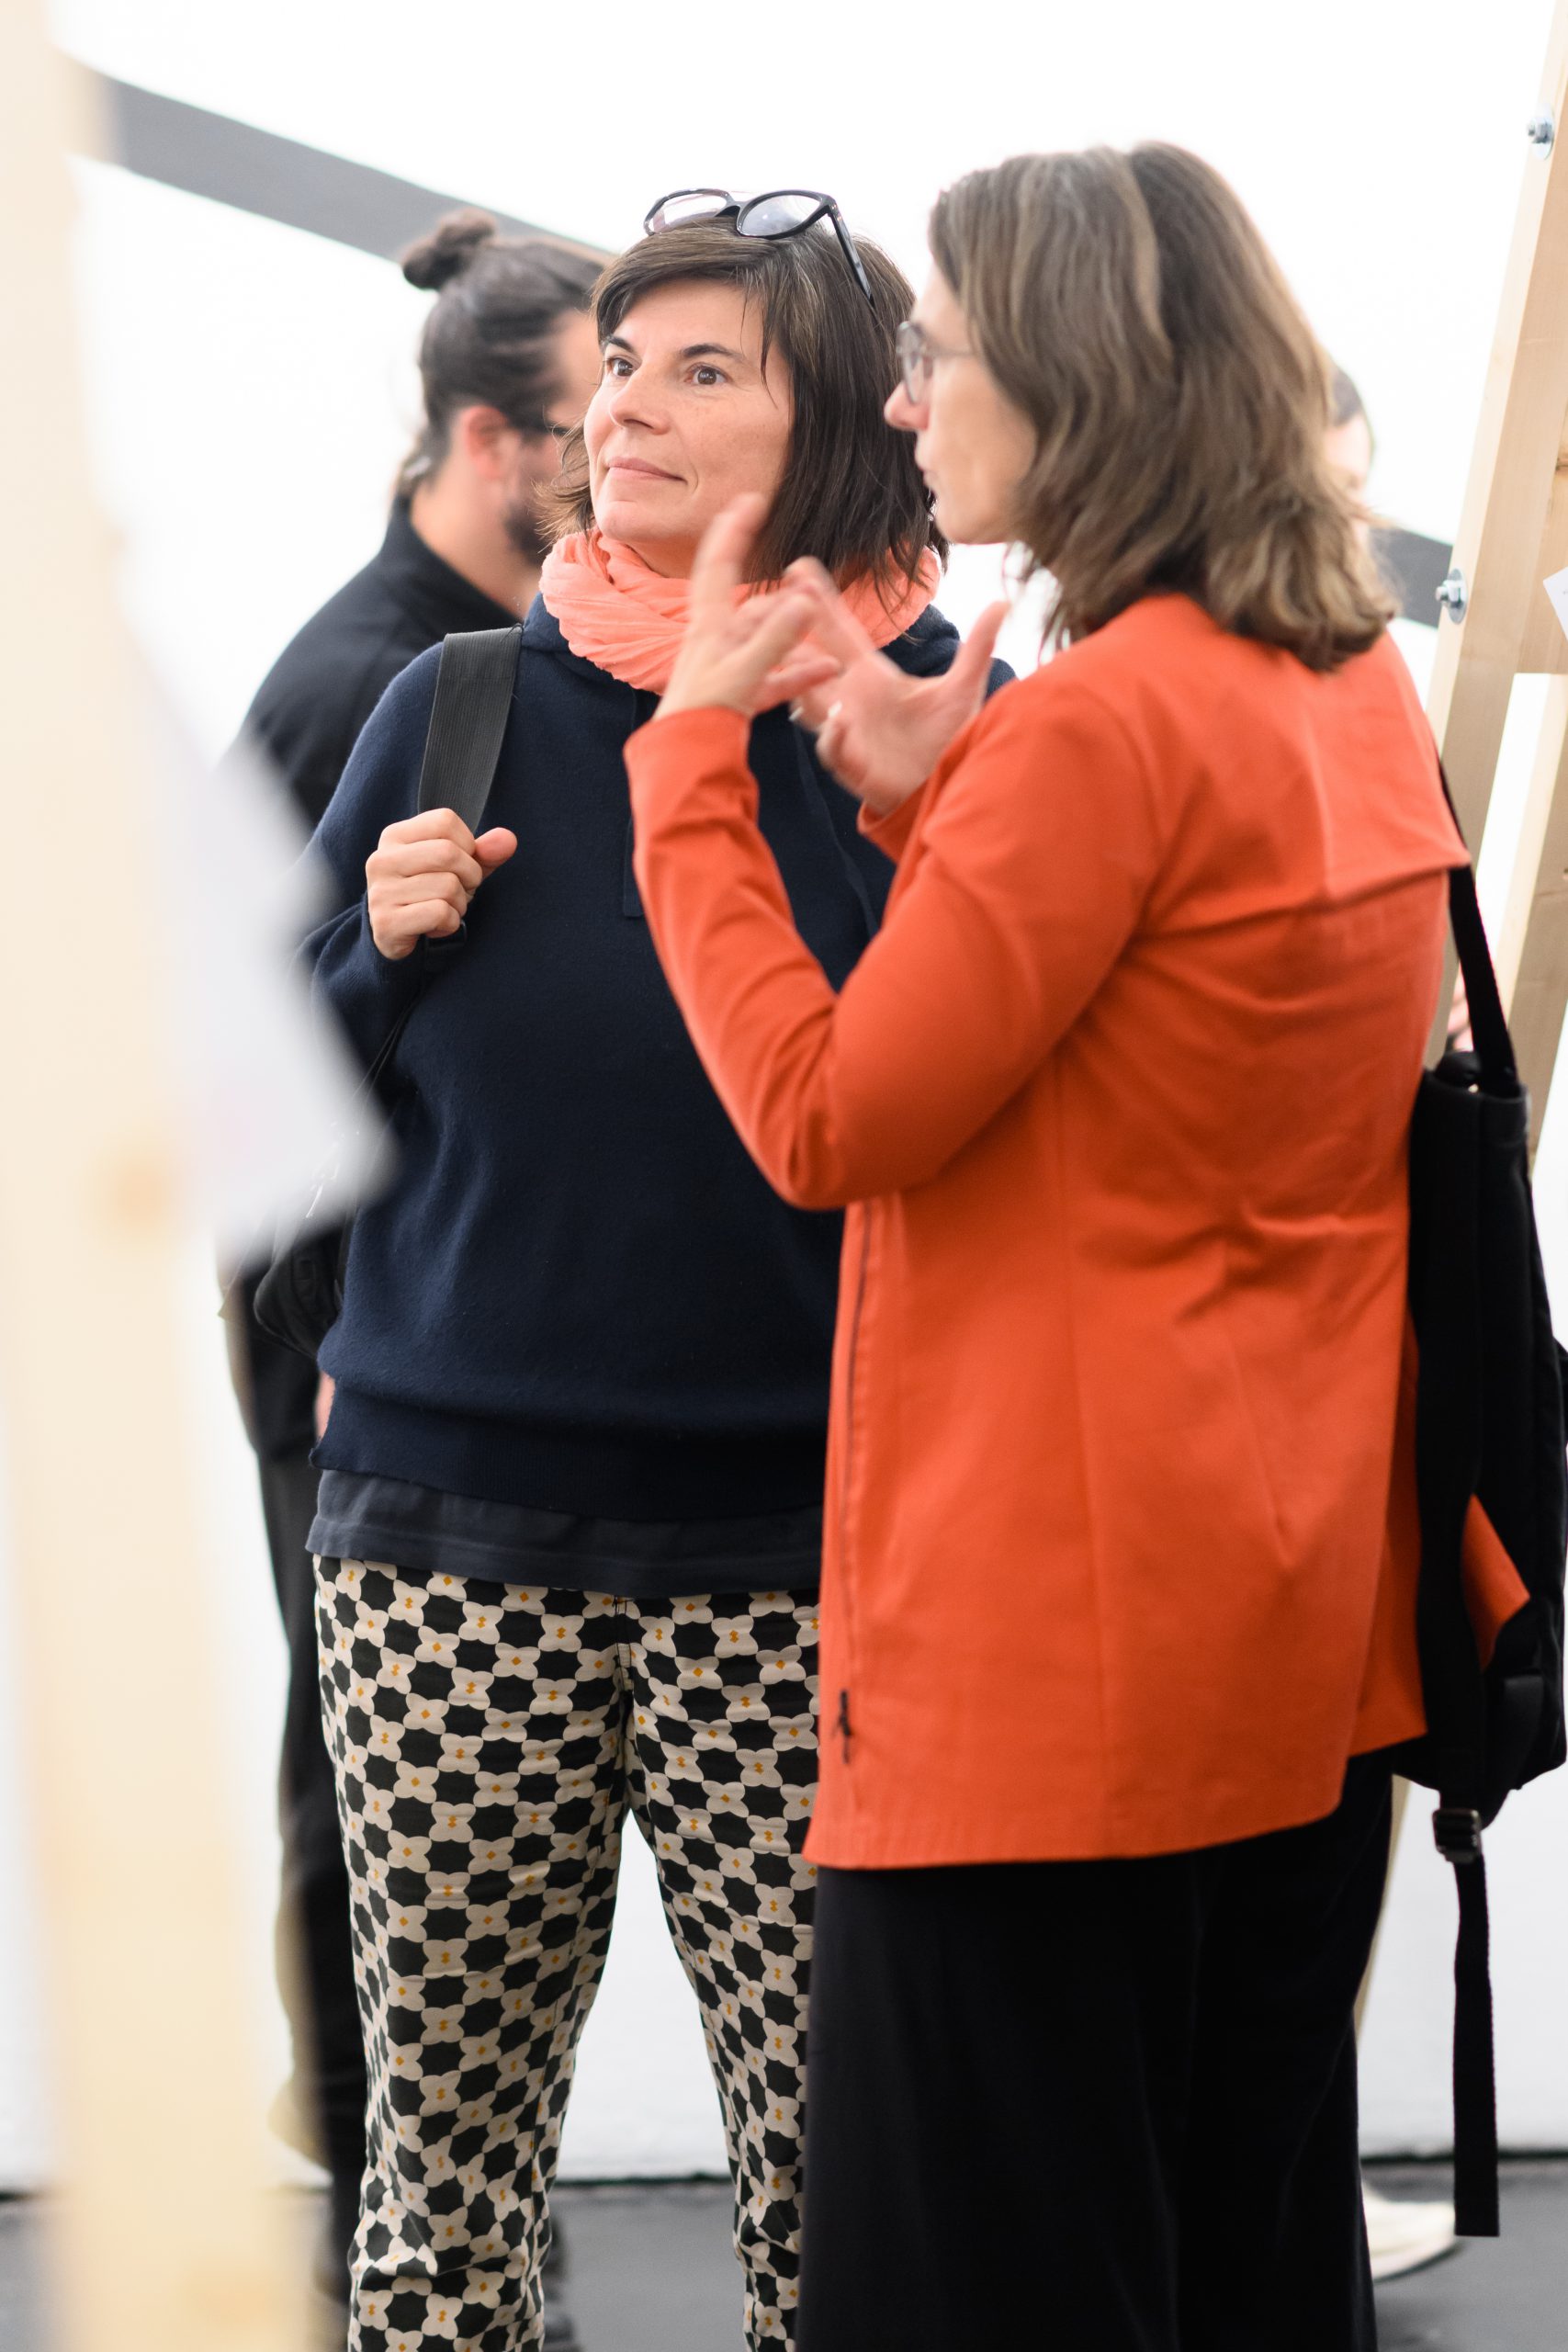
x: 1489, y: 1428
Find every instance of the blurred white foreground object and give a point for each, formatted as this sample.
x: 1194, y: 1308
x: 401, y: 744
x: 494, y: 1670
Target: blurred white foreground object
x: 1406, y: 2234
x: 163, y: 2237
x: 277, y: 1121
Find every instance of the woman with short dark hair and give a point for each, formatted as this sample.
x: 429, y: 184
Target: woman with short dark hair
x: 571, y: 1515
x: 1118, y: 1609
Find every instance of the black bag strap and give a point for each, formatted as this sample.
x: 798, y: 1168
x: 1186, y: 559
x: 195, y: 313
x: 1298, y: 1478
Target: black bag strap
x: 1488, y: 1023
x: 474, y: 685
x: 1476, y: 2084
x: 1456, y: 1825
x: 1458, y: 1834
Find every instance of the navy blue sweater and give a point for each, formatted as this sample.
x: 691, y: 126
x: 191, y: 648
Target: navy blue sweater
x: 578, y: 1292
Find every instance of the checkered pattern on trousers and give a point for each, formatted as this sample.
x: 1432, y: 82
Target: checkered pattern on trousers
x: 486, y: 1741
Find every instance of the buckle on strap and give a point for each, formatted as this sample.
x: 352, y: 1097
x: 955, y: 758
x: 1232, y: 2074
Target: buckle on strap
x: 1456, y: 1833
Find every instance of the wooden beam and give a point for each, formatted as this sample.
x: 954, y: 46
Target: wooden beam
x: 163, y: 2235
x: 1508, y: 945
x: 1508, y: 497
x: 1543, y: 650
x: 1532, y: 947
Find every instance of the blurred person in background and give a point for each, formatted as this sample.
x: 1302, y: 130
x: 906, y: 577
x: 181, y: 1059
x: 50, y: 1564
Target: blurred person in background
x: 569, y: 1520
x: 1116, y: 1618
x: 1398, y: 2245
x: 1348, y: 439
x: 508, y: 361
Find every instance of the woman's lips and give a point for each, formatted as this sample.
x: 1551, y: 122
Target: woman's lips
x: 637, y: 466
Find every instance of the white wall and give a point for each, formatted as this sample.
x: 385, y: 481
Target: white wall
x: 252, y: 392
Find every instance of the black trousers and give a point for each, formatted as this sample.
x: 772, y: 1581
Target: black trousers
x: 1104, y: 2106
x: 315, y: 1951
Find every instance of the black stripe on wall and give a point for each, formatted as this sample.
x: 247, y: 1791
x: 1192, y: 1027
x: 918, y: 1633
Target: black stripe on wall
x: 1415, y: 568
x: 211, y: 154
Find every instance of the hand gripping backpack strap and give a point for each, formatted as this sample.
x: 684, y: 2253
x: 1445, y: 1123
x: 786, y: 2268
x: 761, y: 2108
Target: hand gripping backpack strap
x: 474, y: 680
x: 298, y: 1299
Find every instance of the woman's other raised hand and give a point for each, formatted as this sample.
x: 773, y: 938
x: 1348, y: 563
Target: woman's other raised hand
x: 421, y: 875
x: 878, y: 730
x: 741, y: 654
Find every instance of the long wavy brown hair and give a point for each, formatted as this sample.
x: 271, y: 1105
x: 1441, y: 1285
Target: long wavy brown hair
x: 1127, y: 304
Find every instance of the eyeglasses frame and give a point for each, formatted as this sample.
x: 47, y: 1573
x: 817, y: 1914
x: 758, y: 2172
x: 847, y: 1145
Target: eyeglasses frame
x: 917, y: 355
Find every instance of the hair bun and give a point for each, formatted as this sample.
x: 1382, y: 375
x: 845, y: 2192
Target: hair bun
x: 434, y: 261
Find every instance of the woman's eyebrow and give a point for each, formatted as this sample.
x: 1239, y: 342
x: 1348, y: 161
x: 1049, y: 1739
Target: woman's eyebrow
x: 691, y: 350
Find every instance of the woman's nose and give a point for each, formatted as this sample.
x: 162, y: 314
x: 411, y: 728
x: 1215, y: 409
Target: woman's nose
x: 634, y: 402
x: 901, y: 412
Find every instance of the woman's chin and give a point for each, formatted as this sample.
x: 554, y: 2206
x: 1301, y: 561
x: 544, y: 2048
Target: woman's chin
x: 632, y: 519
x: 948, y: 515
x: 967, y: 523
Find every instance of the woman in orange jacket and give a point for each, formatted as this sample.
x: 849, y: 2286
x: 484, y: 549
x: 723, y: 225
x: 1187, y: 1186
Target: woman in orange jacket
x: 1115, y: 1623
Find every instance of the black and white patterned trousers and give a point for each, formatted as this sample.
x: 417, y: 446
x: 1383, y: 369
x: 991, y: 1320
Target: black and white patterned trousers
x: 488, y: 1741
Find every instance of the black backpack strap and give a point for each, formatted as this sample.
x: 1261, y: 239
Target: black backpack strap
x: 474, y: 685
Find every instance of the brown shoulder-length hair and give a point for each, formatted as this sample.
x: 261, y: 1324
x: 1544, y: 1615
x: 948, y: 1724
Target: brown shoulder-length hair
x: 851, y: 494
x: 1127, y: 304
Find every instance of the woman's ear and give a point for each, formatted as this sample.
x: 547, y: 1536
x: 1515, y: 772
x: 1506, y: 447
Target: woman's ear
x: 486, y: 440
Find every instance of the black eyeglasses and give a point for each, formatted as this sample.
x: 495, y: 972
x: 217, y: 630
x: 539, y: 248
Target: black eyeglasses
x: 781, y: 213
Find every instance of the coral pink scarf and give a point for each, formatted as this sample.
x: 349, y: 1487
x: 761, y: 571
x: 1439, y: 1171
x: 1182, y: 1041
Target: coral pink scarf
x: 624, y: 619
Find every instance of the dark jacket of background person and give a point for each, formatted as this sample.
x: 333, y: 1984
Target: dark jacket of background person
x: 306, y: 717
x: 578, y: 1293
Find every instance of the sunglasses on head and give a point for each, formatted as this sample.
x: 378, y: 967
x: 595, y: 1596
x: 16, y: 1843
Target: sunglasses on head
x: 781, y: 213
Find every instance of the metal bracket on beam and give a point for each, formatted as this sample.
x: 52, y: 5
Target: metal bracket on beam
x: 1454, y: 596
x: 1541, y: 130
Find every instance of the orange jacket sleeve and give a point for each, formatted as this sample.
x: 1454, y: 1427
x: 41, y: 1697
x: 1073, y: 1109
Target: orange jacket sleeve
x: 891, y: 831
x: 1032, y: 861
